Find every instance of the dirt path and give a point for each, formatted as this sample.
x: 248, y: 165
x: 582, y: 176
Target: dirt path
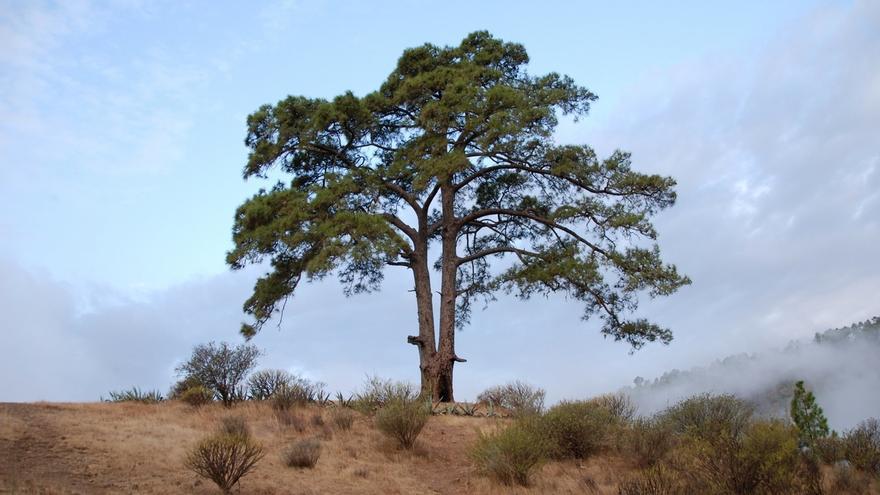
x: 35, y: 456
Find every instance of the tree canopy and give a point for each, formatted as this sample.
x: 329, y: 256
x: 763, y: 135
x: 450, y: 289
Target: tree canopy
x: 454, y: 149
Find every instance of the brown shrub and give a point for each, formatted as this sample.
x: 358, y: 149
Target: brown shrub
x: 647, y: 441
x: 302, y: 454
x: 342, y: 418
x: 224, y: 459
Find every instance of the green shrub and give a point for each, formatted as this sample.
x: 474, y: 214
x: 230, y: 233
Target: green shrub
x: 709, y: 416
x: 520, y: 398
x: 182, y: 386
x: 763, y: 460
x: 511, y: 455
x: 576, y: 430
x: 648, y: 441
x: 862, y: 446
x: 197, y: 396
x: 342, y: 418
x: 377, y: 392
x: 135, y: 394
x: 302, y: 454
x: 224, y: 459
x: 403, y: 420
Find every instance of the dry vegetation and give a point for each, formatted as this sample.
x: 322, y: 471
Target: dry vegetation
x: 141, y: 448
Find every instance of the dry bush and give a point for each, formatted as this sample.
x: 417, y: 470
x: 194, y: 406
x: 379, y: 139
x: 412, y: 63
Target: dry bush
x: 222, y: 368
x: 297, y: 392
x: 302, y: 454
x: 342, y: 418
x: 197, y: 396
x: 290, y: 418
x: 135, y: 394
x: 317, y: 419
x: 511, y: 455
x: 234, y: 425
x: 647, y: 441
x: 224, y: 459
x: 830, y: 449
x: 576, y: 430
x: 377, y: 392
x: 862, y: 446
x: 657, y: 480
x: 263, y: 384
x: 403, y: 420
x: 848, y: 481
x: 520, y: 398
x: 619, y: 405
x: 707, y: 416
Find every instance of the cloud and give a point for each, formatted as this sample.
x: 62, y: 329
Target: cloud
x: 776, y: 160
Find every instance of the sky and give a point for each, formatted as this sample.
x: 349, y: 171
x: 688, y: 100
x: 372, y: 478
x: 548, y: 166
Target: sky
x: 121, y: 152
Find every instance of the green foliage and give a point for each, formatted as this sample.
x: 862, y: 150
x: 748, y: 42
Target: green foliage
x: 403, y: 420
x: 457, y: 143
x: 221, y: 368
x: 183, y: 385
x: 512, y: 454
x: 763, y: 459
x: 862, y: 446
x: 302, y: 454
x: 135, y: 394
x: 224, y: 459
x: 575, y: 430
x: 807, y: 416
x: 707, y: 416
x: 519, y: 398
x: 197, y: 396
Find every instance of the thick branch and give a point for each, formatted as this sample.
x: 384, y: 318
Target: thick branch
x: 495, y: 250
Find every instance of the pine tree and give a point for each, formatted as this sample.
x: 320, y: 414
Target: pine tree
x: 807, y: 416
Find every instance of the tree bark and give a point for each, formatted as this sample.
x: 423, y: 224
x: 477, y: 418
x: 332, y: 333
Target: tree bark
x: 425, y: 340
x: 446, y: 358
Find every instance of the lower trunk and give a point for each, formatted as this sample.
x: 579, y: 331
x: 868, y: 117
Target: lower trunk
x: 437, y: 381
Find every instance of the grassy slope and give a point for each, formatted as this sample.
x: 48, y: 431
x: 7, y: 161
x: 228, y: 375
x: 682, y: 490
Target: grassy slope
x: 135, y: 448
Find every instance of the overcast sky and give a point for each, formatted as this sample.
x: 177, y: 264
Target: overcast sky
x: 121, y: 150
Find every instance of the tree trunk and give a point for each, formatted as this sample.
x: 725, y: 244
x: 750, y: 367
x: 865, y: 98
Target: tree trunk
x: 446, y: 358
x: 425, y: 340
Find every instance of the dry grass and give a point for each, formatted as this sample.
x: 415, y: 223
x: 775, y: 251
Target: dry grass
x: 137, y: 448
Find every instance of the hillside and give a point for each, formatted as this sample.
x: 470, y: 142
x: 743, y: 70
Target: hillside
x: 834, y: 364
x: 135, y: 448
